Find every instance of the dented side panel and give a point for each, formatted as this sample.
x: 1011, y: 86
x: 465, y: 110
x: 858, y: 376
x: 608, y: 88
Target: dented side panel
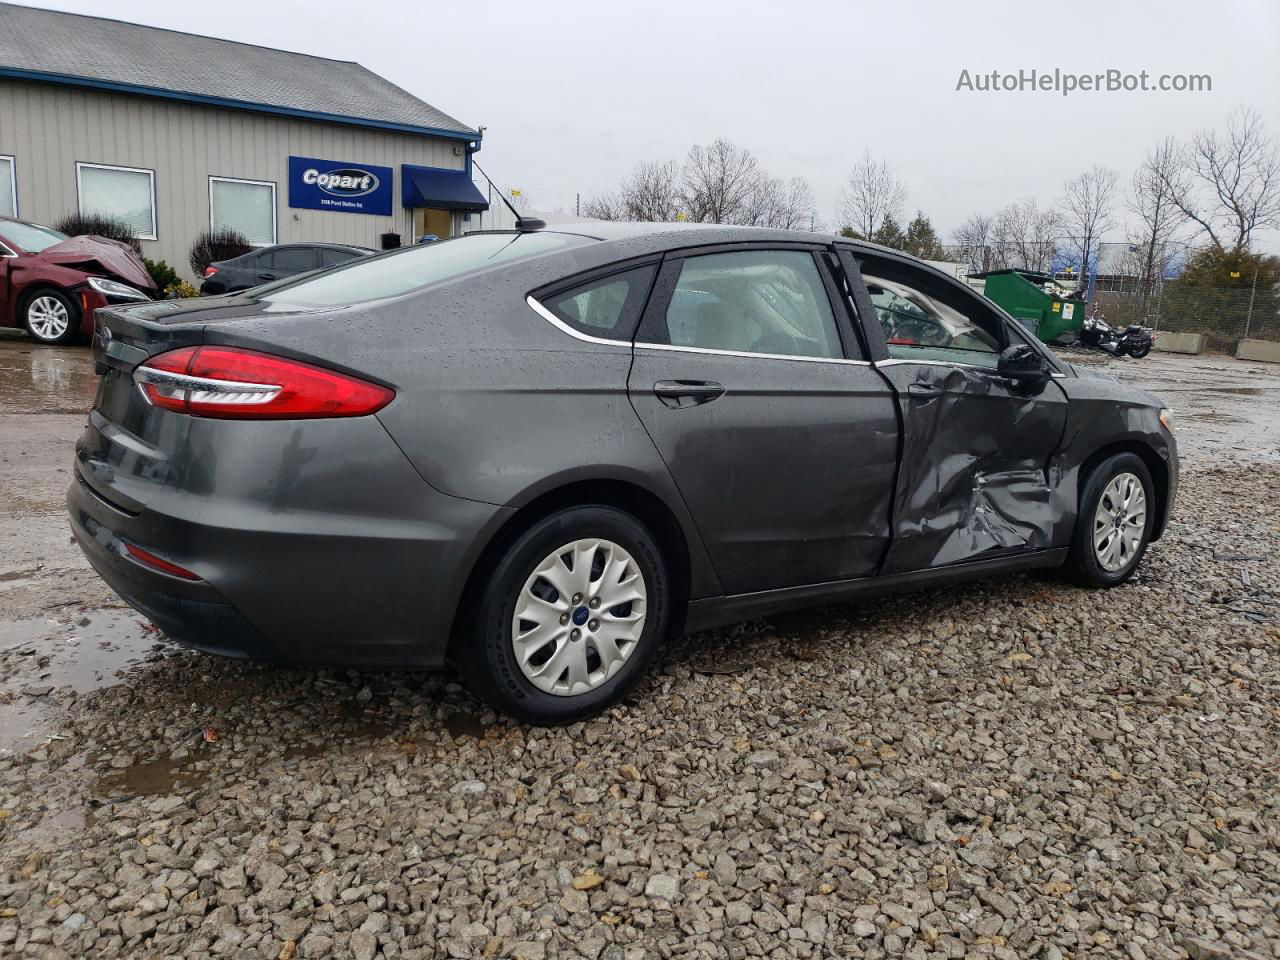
x: 978, y: 476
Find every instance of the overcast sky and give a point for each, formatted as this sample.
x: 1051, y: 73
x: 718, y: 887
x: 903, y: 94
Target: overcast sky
x: 575, y: 93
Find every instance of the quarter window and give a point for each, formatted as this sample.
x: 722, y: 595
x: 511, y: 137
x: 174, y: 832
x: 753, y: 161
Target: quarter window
x: 757, y: 301
x: 607, y: 307
x: 124, y: 193
x: 245, y: 206
x: 919, y: 325
x: 8, y: 188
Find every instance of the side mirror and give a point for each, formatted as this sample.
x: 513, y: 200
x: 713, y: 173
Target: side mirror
x: 1022, y: 363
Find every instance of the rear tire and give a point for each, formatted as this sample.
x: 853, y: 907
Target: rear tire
x: 1114, y: 522
x: 1139, y: 351
x: 51, y: 316
x: 549, y: 654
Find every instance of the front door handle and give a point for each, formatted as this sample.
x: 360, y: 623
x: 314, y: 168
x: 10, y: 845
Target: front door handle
x: 687, y: 393
x: 923, y: 390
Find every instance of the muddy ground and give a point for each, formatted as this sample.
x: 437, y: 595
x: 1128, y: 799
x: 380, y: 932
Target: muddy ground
x: 1014, y: 768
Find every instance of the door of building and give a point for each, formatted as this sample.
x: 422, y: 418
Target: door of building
x: 436, y: 222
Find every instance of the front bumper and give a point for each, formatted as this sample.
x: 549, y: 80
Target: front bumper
x: 353, y: 563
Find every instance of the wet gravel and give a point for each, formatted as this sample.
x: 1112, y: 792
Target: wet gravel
x: 1015, y: 768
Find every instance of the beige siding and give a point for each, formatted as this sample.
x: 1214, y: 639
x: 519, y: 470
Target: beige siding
x: 47, y: 129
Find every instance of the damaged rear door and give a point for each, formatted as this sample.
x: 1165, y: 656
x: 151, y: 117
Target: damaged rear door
x: 976, y: 475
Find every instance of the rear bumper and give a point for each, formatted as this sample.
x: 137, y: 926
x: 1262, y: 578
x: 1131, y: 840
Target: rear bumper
x: 359, y: 563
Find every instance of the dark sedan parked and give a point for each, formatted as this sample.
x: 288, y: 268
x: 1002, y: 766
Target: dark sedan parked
x: 274, y: 263
x: 540, y: 454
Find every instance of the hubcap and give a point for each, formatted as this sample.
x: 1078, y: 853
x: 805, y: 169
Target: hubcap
x: 1119, y: 522
x: 47, y: 318
x: 579, y: 617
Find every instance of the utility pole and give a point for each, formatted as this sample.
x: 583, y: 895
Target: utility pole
x: 577, y: 204
x: 1253, y: 293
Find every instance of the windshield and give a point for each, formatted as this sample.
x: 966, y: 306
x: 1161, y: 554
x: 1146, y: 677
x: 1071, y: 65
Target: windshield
x: 29, y: 236
x: 411, y: 268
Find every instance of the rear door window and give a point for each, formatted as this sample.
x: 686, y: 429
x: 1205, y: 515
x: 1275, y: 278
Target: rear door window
x: 294, y: 259
x: 606, y: 307
x: 755, y: 301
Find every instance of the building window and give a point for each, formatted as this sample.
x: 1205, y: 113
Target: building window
x: 245, y: 206
x: 125, y: 193
x: 8, y: 188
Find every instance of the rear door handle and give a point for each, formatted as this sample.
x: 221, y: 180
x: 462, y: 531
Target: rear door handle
x: 687, y: 393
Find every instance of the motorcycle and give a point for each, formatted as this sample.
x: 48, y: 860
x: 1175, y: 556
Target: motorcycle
x: 1135, y: 340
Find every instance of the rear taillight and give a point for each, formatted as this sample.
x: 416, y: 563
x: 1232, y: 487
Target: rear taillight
x: 231, y: 383
x: 149, y: 559
x: 210, y: 271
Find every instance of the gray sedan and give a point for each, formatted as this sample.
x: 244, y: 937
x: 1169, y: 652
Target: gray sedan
x: 540, y: 454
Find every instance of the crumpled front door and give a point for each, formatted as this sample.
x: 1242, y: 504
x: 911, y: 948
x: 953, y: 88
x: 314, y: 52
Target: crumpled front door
x: 977, y: 474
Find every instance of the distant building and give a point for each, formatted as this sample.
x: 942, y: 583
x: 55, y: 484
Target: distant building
x: 176, y: 133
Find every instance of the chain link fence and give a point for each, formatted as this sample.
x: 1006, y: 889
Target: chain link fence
x: 1225, y: 315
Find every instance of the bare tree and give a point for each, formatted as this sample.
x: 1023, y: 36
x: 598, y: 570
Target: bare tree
x: 783, y: 204
x: 652, y: 192
x: 872, y: 194
x: 1025, y: 236
x: 1087, y: 204
x: 1157, y: 216
x: 603, y: 206
x: 1228, y: 183
x: 974, y: 239
x: 721, y: 184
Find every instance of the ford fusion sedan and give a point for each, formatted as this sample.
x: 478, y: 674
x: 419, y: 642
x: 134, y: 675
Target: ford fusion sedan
x: 540, y: 454
x: 274, y: 263
x: 51, y: 283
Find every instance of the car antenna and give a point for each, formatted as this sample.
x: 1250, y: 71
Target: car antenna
x: 523, y: 224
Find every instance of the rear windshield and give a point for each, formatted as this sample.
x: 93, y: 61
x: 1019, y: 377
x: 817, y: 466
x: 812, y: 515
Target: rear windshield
x: 403, y: 271
x: 29, y: 236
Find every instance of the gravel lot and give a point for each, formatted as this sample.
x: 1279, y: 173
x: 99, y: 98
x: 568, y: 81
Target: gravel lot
x: 1014, y: 768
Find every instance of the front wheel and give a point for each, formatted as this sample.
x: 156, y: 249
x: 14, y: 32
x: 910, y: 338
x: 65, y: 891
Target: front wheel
x: 570, y: 618
x: 51, y: 316
x: 1113, y: 527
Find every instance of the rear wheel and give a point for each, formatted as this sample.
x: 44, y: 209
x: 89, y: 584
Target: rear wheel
x: 1113, y: 527
x: 51, y: 316
x: 570, y: 617
x: 1139, y: 350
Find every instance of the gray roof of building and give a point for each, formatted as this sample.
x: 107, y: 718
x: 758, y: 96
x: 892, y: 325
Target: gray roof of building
x: 94, y: 51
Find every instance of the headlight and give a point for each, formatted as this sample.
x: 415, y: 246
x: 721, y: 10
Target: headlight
x: 1166, y: 419
x: 118, y: 291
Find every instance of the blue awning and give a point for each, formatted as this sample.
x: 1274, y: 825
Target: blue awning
x: 439, y: 188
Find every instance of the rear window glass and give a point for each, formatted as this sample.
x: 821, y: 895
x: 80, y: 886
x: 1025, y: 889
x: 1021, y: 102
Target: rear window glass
x: 403, y: 271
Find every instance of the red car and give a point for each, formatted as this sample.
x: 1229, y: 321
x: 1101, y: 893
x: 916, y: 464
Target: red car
x: 51, y: 283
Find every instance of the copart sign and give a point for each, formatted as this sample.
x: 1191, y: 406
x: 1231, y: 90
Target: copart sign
x: 340, y: 187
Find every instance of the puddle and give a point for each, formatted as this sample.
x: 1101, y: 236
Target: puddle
x: 149, y: 778
x: 462, y: 725
x: 40, y: 379
x: 1211, y: 416
x: 85, y: 652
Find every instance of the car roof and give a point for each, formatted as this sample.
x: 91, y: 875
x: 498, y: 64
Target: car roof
x: 671, y: 236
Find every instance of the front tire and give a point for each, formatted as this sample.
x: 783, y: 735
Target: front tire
x: 51, y: 317
x: 1114, y: 523
x: 570, y: 618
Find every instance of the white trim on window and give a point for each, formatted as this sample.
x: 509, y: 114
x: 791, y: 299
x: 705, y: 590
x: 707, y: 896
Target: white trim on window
x: 275, y: 224
x: 151, y: 176
x: 13, y: 183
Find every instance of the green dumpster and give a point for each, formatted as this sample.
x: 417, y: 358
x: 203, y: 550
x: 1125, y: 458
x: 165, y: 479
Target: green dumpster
x: 1023, y: 296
